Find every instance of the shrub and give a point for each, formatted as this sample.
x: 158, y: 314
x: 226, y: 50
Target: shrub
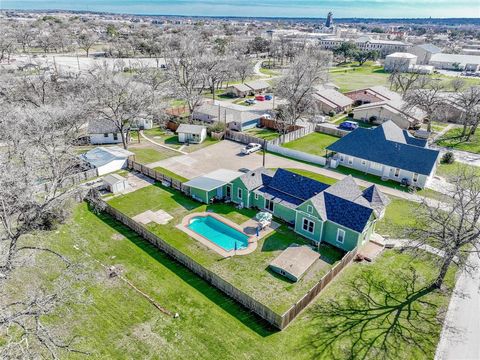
x: 216, y: 127
x: 331, y: 113
x: 448, y: 158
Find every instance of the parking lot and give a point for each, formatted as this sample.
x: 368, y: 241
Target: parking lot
x: 225, y: 154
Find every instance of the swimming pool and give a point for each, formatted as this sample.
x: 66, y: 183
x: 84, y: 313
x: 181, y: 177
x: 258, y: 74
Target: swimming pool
x: 218, y: 232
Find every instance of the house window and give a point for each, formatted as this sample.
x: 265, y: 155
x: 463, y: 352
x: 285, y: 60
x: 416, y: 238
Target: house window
x: 239, y: 193
x: 415, y: 177
x: 350, y: 160
x: 340, y: 236
x: 105, y: 135
x: 308, y: 225
x: 115, y: 136
x: 397, y: 172
x: 364, y: 162
x: 269, y: 205
x: 256, y: 196
x: 342, y: 157
x: 309, y: 209
x: 375, y: 166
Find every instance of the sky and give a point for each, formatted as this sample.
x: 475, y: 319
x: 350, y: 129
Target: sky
x: 265, y: 8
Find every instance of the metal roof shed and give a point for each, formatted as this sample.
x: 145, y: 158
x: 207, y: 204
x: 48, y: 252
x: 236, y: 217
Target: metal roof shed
x: 294, y: 261
x: 212, y: 185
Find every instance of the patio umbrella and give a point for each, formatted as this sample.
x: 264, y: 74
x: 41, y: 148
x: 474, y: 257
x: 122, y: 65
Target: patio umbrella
x: 263, y: 216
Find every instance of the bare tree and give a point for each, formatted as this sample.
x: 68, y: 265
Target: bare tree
x: 242, y: 68
x: 427, y: 98
x: 87, y: 39
x: 120, y: 101
x: 469, y: 102
x: 454, y: 227
x: 185, y: 71
x: 299, y: 83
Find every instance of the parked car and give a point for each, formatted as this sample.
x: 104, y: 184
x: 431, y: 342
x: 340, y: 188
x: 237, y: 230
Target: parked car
x: 268, y: 97
x: 266, y: 117
x: 250, y: 148
x: 260, y: 98
x: 348, y: 125
x: 250, y: 101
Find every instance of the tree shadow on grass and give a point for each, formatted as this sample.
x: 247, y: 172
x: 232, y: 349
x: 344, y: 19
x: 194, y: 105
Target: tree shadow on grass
x: 242, y: 314
x: 377, y: 317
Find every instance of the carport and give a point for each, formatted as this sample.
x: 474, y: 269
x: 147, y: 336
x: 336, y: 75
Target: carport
x: 211, y: 186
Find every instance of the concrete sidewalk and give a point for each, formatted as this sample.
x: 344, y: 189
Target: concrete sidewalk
x: 460, y: 337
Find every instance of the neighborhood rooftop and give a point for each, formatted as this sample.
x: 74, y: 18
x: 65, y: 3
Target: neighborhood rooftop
x: 190, y: 129
x: 389, y: 145
x: 213, y: 179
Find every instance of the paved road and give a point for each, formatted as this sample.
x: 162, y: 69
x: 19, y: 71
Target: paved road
x: 460, y: 338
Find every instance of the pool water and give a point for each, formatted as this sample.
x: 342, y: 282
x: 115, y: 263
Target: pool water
x: 219, y: 233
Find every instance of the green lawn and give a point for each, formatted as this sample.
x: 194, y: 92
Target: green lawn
x: 170, y: 173
x: 146, y: 155
x: 358, y: 77
x: 118, y: 323
x: 249, y: 273
x: 399, y: 217
x: 453, y: 139
x: 267, y: 134
x: 269, y: 72
x: 451, y: 170
x: 314, y: 143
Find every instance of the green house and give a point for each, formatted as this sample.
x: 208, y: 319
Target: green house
x: 342, y: 214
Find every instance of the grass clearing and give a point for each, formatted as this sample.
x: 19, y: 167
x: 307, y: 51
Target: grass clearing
x: 249, y: 273
x: 314, y: 143
x: 319, y: 177
x: 150, y: 154
x: 170, y: 173
x: 453, y: 139
x: 398, y: 218
x: 354, y: 77
x: 118, y: 323
x: 449, y: 171
x: 263, y: 133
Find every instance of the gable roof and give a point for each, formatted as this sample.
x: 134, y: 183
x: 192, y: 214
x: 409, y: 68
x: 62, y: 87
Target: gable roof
x: 430, y: 48
x: 191, y: 129
x: 295, y: 260
x: 256, y: 178
x: 258, y: 85
x: 240, y: 87
x: 295, y: 185
x: 333, y: 98
x: 112, y: 179
x: 100, y: 156
x: 385, y: 146
x: 101, y: 126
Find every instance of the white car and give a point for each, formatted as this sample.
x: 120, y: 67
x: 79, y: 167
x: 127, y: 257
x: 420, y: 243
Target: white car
x: 250, y: 148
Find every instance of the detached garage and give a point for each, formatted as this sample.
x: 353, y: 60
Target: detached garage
x: 107, y: 159
x: 115, y: 183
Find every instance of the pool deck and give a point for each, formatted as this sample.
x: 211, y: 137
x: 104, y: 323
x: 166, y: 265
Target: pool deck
x: 248, y: 228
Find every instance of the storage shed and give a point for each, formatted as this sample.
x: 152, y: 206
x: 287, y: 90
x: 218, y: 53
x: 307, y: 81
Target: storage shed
x: 115, y: 183
x: 294, y: 261
x: 193, y: 134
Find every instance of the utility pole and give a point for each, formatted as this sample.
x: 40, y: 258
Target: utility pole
x: 264, y: 150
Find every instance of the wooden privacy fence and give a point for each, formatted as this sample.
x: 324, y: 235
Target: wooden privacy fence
x: 331, y: 130
x: 158, y: 176
x: 301, y: 304
x: 209, y: 276
x: 242, y: 138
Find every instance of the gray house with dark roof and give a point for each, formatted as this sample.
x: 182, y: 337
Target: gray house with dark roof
x: 389, y: 152
x: 103, y: 131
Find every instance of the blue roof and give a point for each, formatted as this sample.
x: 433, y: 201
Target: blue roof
x: 346, y: 213
x: 295, y: 185
x: 374, y: 145
x: 279, y: 197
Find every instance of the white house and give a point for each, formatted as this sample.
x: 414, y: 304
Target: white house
x: 388, y: 152
x: 103, y: 131
x: 193, y: 134
x: 424, y: 52
x: 107, y: 159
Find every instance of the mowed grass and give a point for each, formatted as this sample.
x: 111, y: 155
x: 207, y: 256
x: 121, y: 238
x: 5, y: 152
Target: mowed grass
x: 118, y: 323
x: 264, y: 133
x: 453, y: 139
x: 319, y: 177
x: 249, y: 273
x: 450, y: 171
x: 170, y: 173
x: 150, y: 154
x: 399, y: 218
x: 314, y: 143
x: 353, y: 78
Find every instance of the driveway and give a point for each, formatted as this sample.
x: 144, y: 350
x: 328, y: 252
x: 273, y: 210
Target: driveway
x: 461, y: 330
x: 227, y: 155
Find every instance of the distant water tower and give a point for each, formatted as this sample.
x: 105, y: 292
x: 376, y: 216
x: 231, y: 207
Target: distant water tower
x: 329, y: 21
